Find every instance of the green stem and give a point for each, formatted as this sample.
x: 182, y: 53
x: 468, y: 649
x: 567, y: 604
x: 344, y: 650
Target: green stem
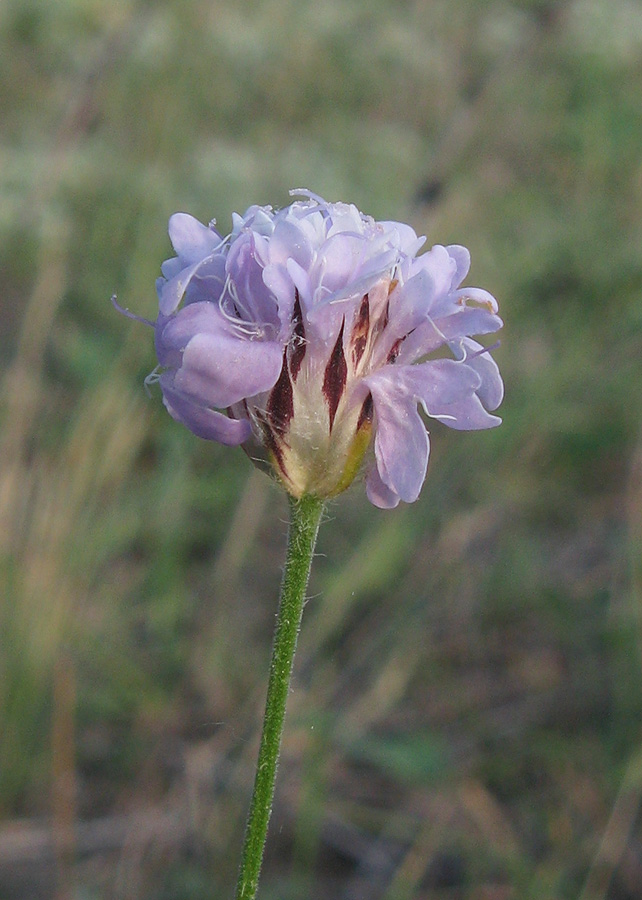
x: 305, y: 515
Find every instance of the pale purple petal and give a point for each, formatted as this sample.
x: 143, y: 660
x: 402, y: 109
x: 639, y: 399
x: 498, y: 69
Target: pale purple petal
x: 252, y: 299
x: 192, y: 240
x: 477, y: 295
x: 338, y: 261
x: 404, y: 237
x: 441, y: 267
x: 344, y: 219
x: 173, y: 333
x: 260, y: 219
x: 170, y: 293
x: 354, y: 290
x: 311, y: 222
x: 462, y: 262
x: 410, y: 305
x: 301, y: 280
x: 491, y: 389
x: 280, y: 284
x: 378, y: 493
x: 170, y: 268
x: 434, y: 333
x: 203, y: 280
x: 219, y: 370
x: 204, y: 422
x: 401, y: 440
x: 322, y: 320
x: 448, y: 391
x: 288, y: 241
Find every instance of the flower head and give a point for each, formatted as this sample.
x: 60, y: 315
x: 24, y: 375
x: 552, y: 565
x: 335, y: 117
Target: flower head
x: 316, y: 332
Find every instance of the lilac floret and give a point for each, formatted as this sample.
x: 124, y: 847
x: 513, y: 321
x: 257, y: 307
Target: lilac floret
x: 316, y: 332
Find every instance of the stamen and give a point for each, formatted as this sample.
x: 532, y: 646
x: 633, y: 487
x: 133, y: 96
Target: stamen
x: 467, y: 355
x: 438, y: 330
x: 130, y: 315
x: 152, y: 378
x: 442, y: 418
x: 244, y: 326
x: 304, y: 192
x: 483, y: 350
x: 231, y: 289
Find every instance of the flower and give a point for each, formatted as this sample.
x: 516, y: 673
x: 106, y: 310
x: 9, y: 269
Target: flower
x: 315, y: 332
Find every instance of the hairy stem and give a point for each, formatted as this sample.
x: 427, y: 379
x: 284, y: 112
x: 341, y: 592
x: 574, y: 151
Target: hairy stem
x: 305, y: 515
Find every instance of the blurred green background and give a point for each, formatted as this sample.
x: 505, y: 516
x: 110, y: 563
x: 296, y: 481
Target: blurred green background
x: 466, y: 715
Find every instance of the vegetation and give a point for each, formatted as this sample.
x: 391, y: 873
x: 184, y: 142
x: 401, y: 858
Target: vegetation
x: 466, y: 716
